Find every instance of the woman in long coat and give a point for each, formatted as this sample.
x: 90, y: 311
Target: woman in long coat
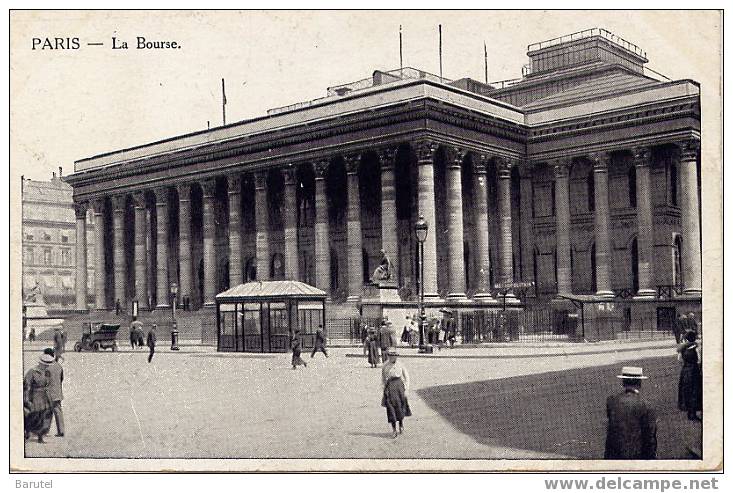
x: 371, y: 347
x: 37, y: 406
x: 296, y: 348
x: 689, y: 397
x: 396, y: 382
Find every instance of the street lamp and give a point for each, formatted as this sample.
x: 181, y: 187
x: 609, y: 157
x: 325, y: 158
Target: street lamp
x: 174, y: 329
x: 421, y: 233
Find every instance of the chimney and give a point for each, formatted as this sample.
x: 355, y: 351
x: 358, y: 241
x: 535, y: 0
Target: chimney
x: 61, y: 171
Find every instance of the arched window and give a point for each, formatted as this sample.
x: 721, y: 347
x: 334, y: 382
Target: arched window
x: 277, y: 267
x: 673, y: 182
x: 677, y: 255
x: 591, y: 187
x: 593, y: 280
x: 365, y: 272
x: 632, y: 186
x: 250, y: 269
x: 334, y: 269
x: 634, y: 266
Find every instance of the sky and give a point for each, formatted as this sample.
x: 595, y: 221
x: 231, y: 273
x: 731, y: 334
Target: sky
x: 71, y: 104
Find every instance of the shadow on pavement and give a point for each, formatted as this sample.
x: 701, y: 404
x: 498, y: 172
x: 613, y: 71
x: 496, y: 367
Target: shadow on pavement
x: 563, y: 412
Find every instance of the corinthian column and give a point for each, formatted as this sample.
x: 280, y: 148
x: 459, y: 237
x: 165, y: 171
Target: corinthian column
x: 454, y: 195
x: 161, y: 214
x: 80, y: 212
x: 322, y: 249
x: 389, y: 207
x: 425, y: 151
x: 235, y: 233
x: 120, y: 263
x: 562, y: 226
x: 601, y: 163
x: 262, y: 224
x: 209, y: 227
x: 691, y: 259
x: 353, y: 230
x: 481, y: 213
x: 184, y: 242
x: 506, y: 275
x: 141, y: 260
x: 290, y: 220
x: 645, y: 237
x: 100, y: 267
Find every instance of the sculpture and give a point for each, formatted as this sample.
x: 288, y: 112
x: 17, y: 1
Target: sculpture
x: 385, y: 270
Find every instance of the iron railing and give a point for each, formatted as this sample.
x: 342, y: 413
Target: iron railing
x: 587, y: 33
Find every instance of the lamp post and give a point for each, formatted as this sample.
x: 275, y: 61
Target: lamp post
x: 421, y: 233
x: 174, y: 328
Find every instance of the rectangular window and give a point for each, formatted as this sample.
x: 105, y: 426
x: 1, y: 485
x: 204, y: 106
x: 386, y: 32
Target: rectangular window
x: 47, y: 256
x: 64, y: 239
x: 66, y: 256
x: 28, y: 256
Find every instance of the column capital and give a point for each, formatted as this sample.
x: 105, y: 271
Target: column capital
x: 184, y: 192
x: 601, y: 161
x: 454, y: 156
x: 387, y: 156
x: 479, y: 164
x: 352, y: 162
x: 688, y: 149
x: 260, y: 179
x: 289, y: 175
x: 234, y: 184
x: 642, y: 156
x: 80, y: 209
x: 98, y: 205
x: 139, y: 199
x: 504, y: 166
x: 425, y: 149
x: 118, y: 202
x: 321, y: 168
x: 208, y: 187
x: 561, y: 167
x: 161, y: 195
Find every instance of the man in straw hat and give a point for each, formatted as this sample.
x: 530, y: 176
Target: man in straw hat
x: 632, y: 423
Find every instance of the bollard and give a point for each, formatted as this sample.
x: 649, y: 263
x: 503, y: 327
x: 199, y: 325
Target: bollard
x: 174, y: 338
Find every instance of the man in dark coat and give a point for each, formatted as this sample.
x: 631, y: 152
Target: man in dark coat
x: 55, y: 392
x: 385, y: 339
x: 632, y: 422
x: 320, y: 342
x: 58, y: 343
x: 680, y: 327
x: 152, y: 338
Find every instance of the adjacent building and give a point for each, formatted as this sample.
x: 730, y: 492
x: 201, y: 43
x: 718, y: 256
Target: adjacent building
x: 50, y: 246
x: 583, y: 177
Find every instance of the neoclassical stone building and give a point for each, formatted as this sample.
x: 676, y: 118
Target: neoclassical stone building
x: 582, y: 176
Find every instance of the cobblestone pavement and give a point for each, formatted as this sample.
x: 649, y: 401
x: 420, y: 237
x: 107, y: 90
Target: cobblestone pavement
x: 207, y: 404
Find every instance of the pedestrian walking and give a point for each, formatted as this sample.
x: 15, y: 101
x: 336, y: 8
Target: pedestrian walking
x: 396, y: 383
x: 296, y: 348
x: 58, y: 343
x: 450, y: 334
x: 680, y: 327
x: 152, y: 339
x: 118, y: 307
x: 689, y: 394
x: 37, y: 406
x: 320, y: 342
x: 32, y: 334
x: 384, y: 339
x: 371, y: 347
x: 55, y: 392
x: 692, y: 323
x: 632, y: 422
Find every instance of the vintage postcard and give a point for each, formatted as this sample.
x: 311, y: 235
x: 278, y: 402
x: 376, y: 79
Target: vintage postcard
x: 366, y: 241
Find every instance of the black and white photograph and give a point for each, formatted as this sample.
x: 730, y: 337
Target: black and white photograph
x: 366, y: 240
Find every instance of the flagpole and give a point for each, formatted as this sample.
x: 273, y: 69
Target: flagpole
x: 401, y: 65
x: 486, y: 65
x: 440, y: 50
x: 223, y: 103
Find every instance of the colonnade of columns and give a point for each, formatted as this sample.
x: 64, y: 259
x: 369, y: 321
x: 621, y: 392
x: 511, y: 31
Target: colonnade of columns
x: 425, y: 152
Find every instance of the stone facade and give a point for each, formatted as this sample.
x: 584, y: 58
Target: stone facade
x: 582, y: 177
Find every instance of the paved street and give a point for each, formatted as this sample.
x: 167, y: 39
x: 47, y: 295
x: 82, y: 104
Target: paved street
x: 205, y: 404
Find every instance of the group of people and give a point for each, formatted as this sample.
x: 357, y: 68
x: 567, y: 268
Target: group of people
x: 319, y: 345
x: 42, y: 396
x: 137, y: 337
x: 632, y: 421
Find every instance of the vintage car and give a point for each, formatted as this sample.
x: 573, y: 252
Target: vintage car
x: 98, y: 336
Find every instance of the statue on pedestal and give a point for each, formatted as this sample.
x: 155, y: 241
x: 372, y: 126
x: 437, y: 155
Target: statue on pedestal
x: 385, y: 271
